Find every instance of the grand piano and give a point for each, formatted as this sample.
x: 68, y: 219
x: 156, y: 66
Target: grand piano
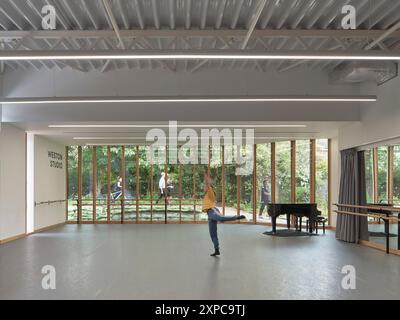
x: 298, y: 210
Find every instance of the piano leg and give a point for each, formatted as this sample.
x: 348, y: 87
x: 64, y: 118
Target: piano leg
x: 273, y: 224
x: 288, y: 221
x: 300, y: 224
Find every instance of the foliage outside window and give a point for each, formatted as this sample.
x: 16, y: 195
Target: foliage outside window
x: 369, y: 175
x: 303, y: 151
x: 396, y: 175
x: 141, y: 194
x: 382, y: 174
x: 321, y: 176
x: 283, y: 172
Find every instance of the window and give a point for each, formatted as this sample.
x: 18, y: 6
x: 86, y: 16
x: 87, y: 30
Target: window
x: 263, y: 169
x: 144, y: 187
x: 101, y: 183
x: 321, y: 175
x: 283, y: 172
x: 382, y: 174
x: 303, y: 152
x: 396, y: 175
x: 72, y: 183
x: 246, y: 182
x: 369, y: 175
x: 199, y: 183
x: 87, y: 183
x: 127, y: 182
x: 230, y: 182
x: 216, y: 173
x: 115, y: 183
x: 173, y: 209
x: 130, y: 183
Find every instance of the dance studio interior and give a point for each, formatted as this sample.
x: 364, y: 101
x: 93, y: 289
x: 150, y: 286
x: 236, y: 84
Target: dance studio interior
x: 199, y: 150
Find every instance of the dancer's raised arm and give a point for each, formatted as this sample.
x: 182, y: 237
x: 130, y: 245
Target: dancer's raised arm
x: 207, y: 180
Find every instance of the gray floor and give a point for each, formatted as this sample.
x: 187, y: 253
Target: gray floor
x: 173, y: 262
x: 382, y: 240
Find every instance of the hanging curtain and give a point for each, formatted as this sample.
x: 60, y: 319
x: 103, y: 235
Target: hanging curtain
x: 352, y: 190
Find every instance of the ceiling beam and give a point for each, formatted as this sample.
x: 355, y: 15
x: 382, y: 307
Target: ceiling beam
x: 384, y: 36
x: 253, y: 21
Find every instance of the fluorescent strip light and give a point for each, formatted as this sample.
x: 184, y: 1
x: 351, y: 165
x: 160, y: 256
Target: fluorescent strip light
x: 178, y: 125
x: 109, y: 138
x: 144, y: 138
x: 277, y: 98
x: 18, y: 55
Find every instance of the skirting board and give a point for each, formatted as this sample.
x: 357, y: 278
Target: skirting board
x: 47, y: 228
x: 19, y: 236
x: 22, y: 235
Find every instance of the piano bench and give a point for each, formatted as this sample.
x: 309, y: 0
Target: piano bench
x: 316, y: 221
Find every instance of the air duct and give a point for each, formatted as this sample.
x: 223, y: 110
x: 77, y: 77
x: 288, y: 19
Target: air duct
x: 364, y: 71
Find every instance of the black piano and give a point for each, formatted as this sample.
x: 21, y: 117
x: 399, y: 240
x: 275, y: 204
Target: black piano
x: 299, y: 210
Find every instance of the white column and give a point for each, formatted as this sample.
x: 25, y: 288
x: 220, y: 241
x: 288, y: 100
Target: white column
x: 30, y: 182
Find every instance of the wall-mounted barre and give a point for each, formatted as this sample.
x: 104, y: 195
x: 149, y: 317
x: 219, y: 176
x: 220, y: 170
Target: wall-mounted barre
x: 49, y: 202
x: 380, y: 212
x: 368, y: 215
x: 371, y: 207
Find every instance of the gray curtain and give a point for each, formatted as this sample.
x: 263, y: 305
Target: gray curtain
x: 352, y: 190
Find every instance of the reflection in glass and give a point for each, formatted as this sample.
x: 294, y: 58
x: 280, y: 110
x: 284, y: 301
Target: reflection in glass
x: 382, y: 174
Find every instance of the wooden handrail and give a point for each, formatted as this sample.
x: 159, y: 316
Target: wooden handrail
x: 48, y: 202
x: 371, y: 207
x: 372, y: 215
x: 134, y: 199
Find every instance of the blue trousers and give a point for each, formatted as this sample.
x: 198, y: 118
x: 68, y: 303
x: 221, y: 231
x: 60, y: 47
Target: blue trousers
x: 213, y: 217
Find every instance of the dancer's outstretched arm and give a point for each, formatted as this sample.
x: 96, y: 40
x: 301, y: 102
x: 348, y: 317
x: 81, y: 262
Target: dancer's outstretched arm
x: 207, y: 180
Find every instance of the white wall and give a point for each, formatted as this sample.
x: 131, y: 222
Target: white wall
x: 379, y: 121
x: 49, y: 183
x: 12, y: 181
x: 25, y: 83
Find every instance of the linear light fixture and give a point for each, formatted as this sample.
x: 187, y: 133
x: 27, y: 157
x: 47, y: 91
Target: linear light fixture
x: 18, y: 55
x: 271, y: 98
x: 216, y: 125
x: 144, y: 138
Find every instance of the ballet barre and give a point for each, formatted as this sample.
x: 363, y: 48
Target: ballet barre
x: 380, y: 212
x: 48, y: 202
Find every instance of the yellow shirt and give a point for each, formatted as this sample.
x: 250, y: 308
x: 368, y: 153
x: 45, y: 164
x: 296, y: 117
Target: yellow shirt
x: 209, y: 200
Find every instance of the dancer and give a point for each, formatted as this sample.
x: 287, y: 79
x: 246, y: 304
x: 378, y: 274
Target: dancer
x: 118, y: 189
x: 161, y: 186
x: 169, y: 189
x: 265, y: 197
x: 209, y: 206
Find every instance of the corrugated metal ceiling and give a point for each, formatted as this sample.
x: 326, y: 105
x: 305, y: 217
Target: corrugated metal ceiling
x: 181, y: 19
